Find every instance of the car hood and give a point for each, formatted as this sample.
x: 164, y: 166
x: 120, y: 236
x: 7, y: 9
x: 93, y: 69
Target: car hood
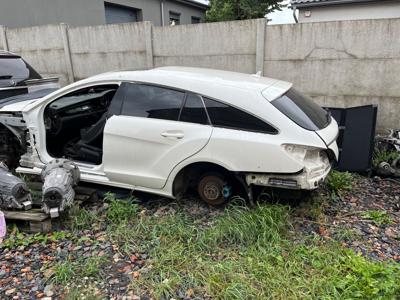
x: 17, y: 103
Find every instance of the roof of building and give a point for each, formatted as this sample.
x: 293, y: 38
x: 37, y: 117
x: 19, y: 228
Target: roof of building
x: 195, y: 3
x: 309, y: 3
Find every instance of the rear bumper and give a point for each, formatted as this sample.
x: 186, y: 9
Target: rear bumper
x: 306, y: 180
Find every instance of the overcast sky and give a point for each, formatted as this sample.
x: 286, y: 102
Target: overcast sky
x: 278, y: 17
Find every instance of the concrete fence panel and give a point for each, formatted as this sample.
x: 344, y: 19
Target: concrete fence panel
x: 343, y: 63
x: 42, y: 47
x: 226, y: 45
x: 97, y: 49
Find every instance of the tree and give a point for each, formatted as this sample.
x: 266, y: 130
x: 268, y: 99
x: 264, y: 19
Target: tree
x: 229, y: 10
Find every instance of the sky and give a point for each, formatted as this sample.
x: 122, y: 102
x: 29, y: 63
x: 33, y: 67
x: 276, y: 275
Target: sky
x: 278, y: 17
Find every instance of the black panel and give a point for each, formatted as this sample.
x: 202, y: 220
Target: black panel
x: 356, y: 136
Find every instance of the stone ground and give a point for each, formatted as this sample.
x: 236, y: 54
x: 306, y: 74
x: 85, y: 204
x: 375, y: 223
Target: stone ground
x: 366, y: 219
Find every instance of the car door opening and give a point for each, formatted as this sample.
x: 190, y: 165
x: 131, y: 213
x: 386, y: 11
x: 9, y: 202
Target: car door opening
x: 75, y: 122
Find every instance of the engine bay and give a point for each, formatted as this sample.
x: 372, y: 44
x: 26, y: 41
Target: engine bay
x: 75, y: 122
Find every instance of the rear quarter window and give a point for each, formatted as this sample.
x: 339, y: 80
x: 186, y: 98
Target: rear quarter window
x: 223, y: 115
x: 302, y: 110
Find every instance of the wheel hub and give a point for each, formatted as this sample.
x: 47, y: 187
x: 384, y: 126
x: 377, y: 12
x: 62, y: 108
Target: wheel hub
x: 211, y: 191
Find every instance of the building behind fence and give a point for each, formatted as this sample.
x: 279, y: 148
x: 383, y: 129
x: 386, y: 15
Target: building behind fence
x: 340, y: 64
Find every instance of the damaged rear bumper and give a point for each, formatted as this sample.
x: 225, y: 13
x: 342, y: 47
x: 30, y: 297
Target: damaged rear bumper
x: 307, y: 179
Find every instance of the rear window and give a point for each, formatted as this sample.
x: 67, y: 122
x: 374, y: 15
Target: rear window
x: 16, y: 69
x: 302, y: 110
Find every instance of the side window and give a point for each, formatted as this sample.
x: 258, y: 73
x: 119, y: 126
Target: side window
x: 194, y: 111
x: 223, y: 115
x: 152, y: 102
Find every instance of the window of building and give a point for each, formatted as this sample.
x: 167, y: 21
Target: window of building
x: 174, y: 18
x: 149, y: 101
x: 121, y: 14
x: 222, y: 115
x: 196, y: 20
x: 193, y: 110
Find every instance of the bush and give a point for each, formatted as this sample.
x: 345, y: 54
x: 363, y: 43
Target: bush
x: 339, y: 181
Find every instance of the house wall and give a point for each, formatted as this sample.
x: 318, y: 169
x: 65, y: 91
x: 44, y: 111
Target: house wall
x: 340, y: 64
x: 186, y: 12
x: 357, y: 11
x: 26, y: 13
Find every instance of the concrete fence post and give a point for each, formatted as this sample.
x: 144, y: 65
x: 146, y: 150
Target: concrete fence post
x: 3, y: 37
x: 149, y: 44
x: 67, y: 52
x: 260, y: 45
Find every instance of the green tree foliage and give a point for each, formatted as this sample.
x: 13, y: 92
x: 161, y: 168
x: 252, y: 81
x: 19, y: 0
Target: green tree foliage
x: 230, y: 10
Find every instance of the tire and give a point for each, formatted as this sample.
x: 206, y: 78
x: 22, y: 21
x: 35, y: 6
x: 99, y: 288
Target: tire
x: 210, y: 189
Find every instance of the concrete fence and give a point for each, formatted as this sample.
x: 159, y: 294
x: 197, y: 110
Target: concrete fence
x: 339, y: 64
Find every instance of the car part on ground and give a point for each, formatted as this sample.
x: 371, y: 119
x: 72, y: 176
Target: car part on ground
x: 59, y: 178
x: 14, y: 193
x: 389, y: 170
x: 390, y: 142
x: 356, y: 136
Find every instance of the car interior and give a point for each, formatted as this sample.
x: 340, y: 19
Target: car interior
x: 75, y: 124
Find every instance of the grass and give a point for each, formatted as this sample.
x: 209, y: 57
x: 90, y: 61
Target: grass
x: 383, y: 156
x: 69, y: 271
x: 247, y: 254
x: 379, y: 217
x: 339, y: 181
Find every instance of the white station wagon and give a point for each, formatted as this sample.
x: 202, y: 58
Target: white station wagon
x: 172, y: 129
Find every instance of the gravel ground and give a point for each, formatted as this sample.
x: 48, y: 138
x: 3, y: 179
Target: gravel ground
x: 365, y: 219
x: 26, y: 272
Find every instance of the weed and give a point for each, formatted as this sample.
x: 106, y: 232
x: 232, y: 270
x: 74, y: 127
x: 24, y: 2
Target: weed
x: 121, y: 210
x: 64, y: 272
x: 339, y: 181
x: 383, y: 156
x: 16, y: 238
x: 379, y: 217
x: 82, y: 294
x: 72, y: 271
x: 82, y: 218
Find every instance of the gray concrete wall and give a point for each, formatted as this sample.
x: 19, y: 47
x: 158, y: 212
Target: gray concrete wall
x: 356, y: 11
x: 340, y: 64
x: 42, y: 47
x: 99, y: 49
x: 227, y: 46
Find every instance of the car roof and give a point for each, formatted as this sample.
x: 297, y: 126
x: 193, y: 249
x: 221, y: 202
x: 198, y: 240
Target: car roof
x: 8, y: 54
x: 200, y: 80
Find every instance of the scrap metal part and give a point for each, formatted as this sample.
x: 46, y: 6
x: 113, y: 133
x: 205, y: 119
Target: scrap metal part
x: 391, y: 142
x: 14, y: 193
x: 59, y: 178
x: 389, y: 170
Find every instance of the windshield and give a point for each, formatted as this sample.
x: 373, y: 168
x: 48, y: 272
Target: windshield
x: 302, y: 110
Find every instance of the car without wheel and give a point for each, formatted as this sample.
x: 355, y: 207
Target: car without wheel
x: 174, y: 129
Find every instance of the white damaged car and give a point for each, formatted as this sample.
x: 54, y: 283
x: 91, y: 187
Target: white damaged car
x: 172, y: 129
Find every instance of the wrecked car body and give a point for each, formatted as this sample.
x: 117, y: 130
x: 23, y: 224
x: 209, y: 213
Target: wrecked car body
x: 172, y: 129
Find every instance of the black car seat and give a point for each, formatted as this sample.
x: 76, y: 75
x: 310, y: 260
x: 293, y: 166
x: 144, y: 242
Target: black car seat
x: 89, y: 147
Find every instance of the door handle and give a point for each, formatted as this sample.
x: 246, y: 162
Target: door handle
x: 173, y: 134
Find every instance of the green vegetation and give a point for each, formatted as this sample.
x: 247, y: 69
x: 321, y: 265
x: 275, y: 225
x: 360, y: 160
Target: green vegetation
x: 383, y: 156
x: 69, y: 271
x: 339, y: 181
x: 379, y: 217
x: 230, y: 10
x: 17, y: 238
x: 248, y: 254
x: 81, y: 218
x: 121, y: 210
